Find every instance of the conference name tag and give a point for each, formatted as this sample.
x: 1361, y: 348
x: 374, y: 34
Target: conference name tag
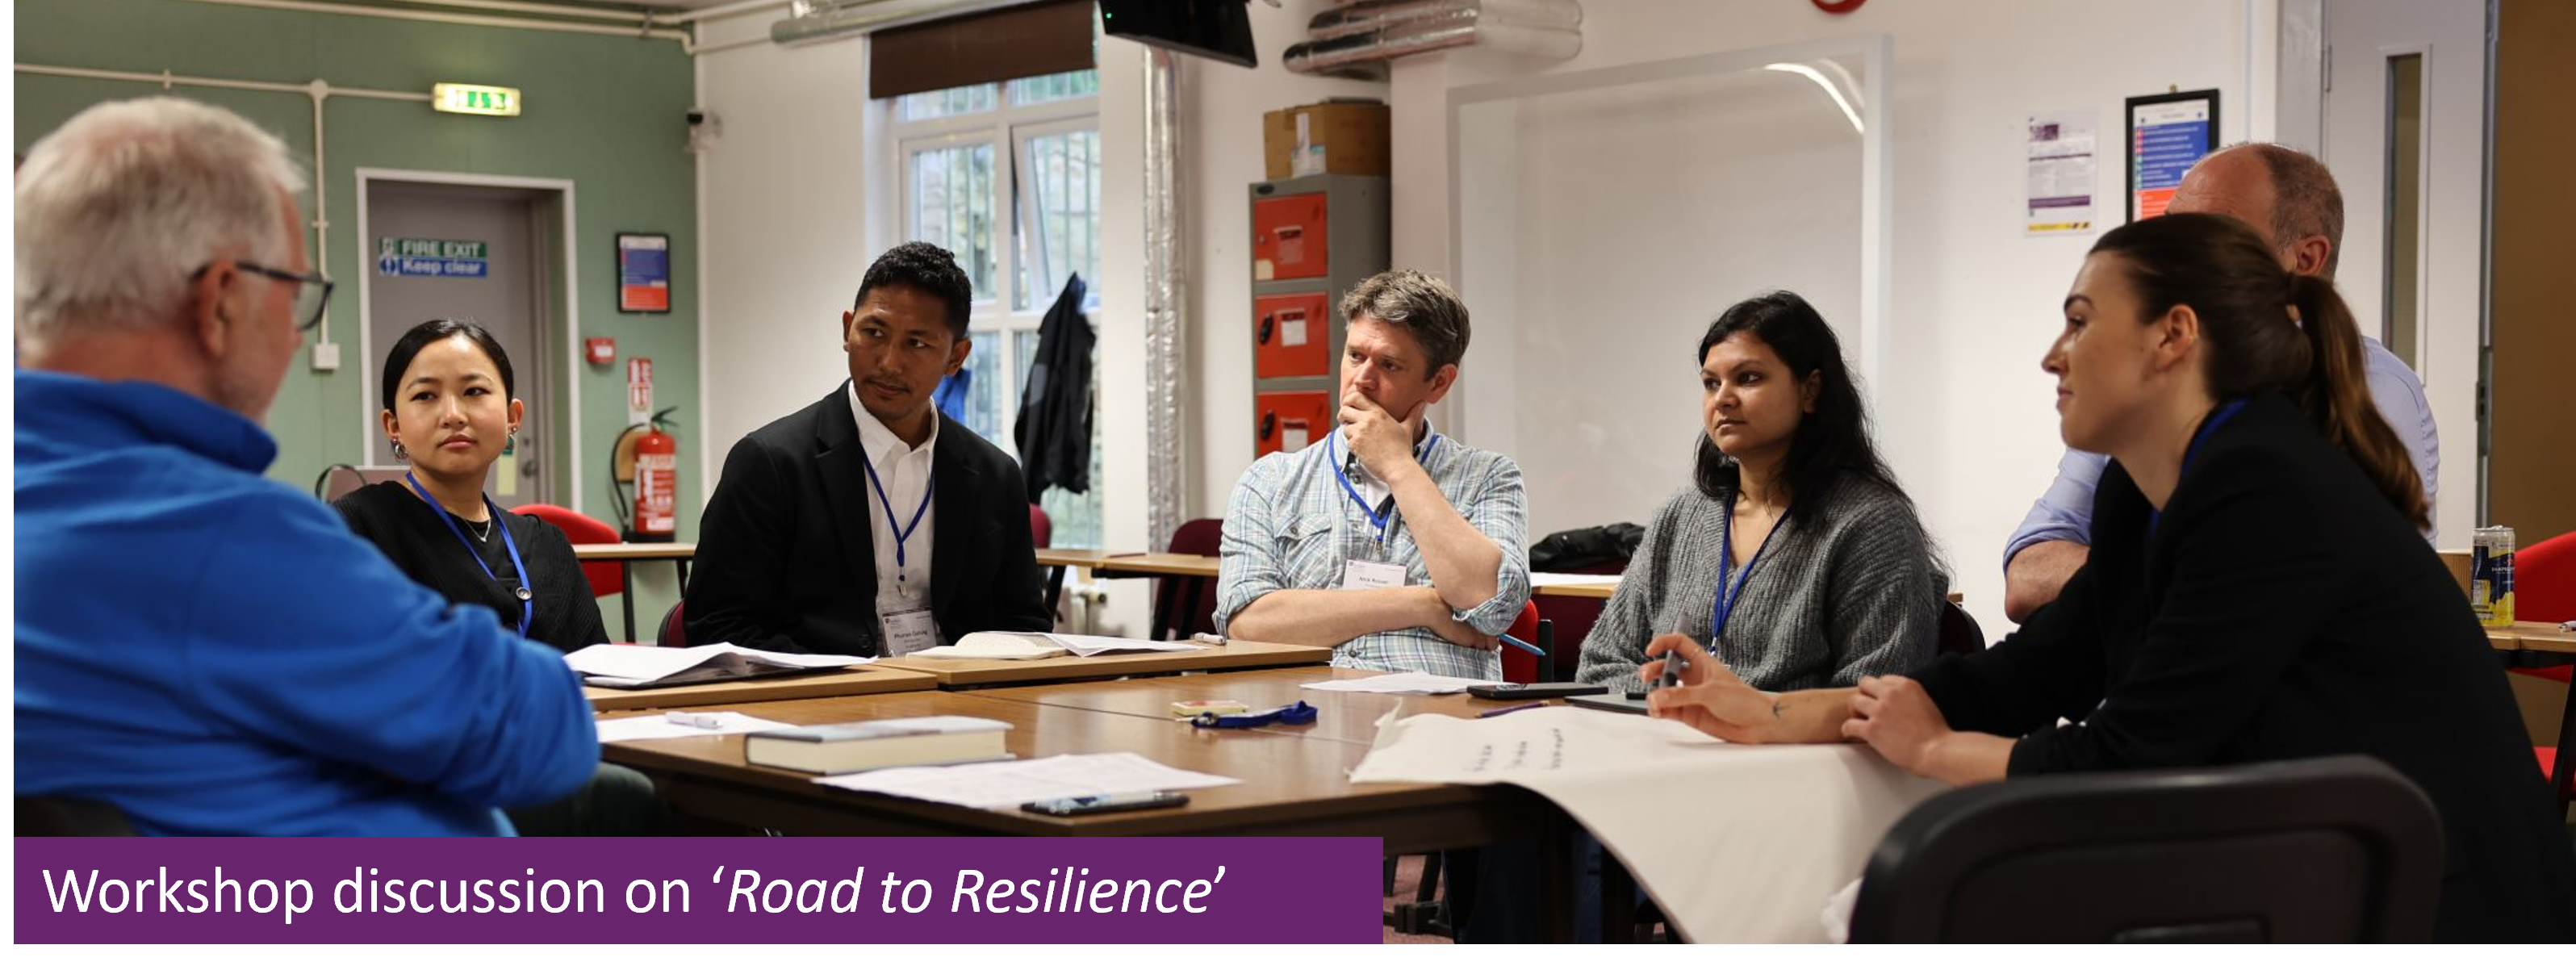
x: 910, y: 631
x: 1363, y: 574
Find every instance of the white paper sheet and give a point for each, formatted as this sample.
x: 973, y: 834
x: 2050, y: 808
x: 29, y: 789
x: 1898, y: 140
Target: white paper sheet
x: 1736, y: 843
x: 647, y: 727
x: 1083, y: 646
x: 1039, y: 646
x: 1009, y: 784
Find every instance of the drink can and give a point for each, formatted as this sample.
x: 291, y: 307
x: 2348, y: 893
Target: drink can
x: 2491, y: 574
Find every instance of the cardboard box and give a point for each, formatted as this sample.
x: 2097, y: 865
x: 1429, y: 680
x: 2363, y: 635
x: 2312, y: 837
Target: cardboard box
x: 1340, y: 138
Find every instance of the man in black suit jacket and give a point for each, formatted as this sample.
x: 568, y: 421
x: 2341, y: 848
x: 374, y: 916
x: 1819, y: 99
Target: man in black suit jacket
x: 817, y: 509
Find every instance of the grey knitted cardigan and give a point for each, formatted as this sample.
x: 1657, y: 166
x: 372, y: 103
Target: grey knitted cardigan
x: 1848, y: 588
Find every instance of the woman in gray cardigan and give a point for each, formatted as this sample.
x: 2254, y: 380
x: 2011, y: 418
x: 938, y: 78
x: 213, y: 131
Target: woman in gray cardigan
x: 1830, y: 576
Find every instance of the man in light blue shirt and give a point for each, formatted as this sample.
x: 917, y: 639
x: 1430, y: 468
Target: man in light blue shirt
x: 2291, y: 199
x: 1401, y: 548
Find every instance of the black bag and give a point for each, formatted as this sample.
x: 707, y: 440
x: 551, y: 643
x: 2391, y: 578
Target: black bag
x: 1579, y: 548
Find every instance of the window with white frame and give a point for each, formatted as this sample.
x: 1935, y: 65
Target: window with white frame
x: 1007, y: 176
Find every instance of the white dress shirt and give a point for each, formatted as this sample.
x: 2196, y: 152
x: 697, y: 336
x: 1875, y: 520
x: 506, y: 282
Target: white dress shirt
x: 904, y: 472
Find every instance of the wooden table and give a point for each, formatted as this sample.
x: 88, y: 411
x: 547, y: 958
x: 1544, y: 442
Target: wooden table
x: 1291, y: 786
x: 1240, y: 654
x: 2458, y: 561
x: 2528, y: 645
x: 853, y: 682
x: 627, y: 554
x: 1058, y: 561
x: 1590, y: 591
x: 1194, y: 572
x: 1343, y: 717
x: 2547, y: 638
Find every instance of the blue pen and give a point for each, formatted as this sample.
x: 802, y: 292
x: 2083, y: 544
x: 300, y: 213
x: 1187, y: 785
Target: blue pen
x: 1523, y: 644
x: 1506, y: 710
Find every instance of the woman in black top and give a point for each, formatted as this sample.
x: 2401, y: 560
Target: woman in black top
x: 2258, y: 588
x: 448, y: 410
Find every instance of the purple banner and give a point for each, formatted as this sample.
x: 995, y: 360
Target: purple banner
x: 698, y: 890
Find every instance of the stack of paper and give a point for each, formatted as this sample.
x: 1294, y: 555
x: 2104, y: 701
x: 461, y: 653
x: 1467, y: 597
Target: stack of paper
x: 628, y: 665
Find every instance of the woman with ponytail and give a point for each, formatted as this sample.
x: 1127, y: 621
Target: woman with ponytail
x: 2257, y: 591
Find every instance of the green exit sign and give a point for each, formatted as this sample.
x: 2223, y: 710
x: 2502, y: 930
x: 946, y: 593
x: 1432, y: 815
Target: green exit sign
x: 474, y: 99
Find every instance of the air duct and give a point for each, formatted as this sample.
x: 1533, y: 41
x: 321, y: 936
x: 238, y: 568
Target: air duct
x: 821, y: 19
x: 1359, y: 38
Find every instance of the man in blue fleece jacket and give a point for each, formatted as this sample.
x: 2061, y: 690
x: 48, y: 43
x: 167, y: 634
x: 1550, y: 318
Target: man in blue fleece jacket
x: 208, y: 651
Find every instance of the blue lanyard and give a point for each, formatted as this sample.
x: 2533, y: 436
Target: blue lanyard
x: 2218, y: 417
x: 903, y: 535
x: 1296, y: 713
x: 1375, y: 517
x: 1726, y: 598
x: 527, y: 606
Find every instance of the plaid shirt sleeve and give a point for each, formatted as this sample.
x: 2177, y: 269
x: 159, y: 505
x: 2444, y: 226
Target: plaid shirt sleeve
x: 1498, y: 507
x: 1252, y: 565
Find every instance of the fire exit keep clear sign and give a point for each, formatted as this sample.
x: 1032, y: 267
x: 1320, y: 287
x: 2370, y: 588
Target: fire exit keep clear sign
x: 431, y: 257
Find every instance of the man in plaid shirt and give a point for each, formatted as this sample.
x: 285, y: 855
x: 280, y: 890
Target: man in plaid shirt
x: 1399, y: 546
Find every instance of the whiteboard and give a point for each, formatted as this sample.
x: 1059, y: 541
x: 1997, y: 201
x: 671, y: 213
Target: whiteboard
x: 1605, y: 218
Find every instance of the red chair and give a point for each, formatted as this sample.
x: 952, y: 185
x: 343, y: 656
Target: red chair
x: 2545, y: 588
x: 2544, y: 578
x: 1196, y: 537
x: 605, y: 578
x: 1573, y: 617
x: 1518, y: 666
x: 1041, y: 528
x: 674, y: 634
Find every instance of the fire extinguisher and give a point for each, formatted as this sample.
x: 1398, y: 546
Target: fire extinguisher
x: 650, y: 457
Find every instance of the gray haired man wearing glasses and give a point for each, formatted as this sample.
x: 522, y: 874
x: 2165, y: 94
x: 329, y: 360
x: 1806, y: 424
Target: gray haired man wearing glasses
x: 199, y: 648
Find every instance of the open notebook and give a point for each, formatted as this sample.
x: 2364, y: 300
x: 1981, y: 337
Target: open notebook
x: 1039, y: 646
x: 629, y: 666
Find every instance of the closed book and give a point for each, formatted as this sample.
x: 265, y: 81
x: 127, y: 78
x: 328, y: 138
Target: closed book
x: 832, y: 749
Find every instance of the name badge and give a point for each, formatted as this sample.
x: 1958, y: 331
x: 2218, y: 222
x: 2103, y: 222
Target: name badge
x: 1363, y: 574
x: 909, y: 631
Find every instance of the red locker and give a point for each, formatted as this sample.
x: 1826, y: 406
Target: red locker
x: 1291, y: 420
x: 1292, y: 336
x: 1288, y: 238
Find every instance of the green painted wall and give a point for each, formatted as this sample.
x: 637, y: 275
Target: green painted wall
x: 605, y: 113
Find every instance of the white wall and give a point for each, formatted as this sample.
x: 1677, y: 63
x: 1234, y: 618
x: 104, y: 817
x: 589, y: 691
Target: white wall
x: 1612, y: 224
x: 1966, y: 419
x: 1222, y: 157
x: 1974, y: 300
x: 785, y: 206
x: 1126, y: 453
x: 790, y: 199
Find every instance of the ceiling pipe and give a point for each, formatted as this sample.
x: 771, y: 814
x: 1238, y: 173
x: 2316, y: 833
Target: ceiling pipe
x: 1360, y: 38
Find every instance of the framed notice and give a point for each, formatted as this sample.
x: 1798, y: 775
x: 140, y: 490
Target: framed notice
x: 643, y: 272
x: 2168, y: 133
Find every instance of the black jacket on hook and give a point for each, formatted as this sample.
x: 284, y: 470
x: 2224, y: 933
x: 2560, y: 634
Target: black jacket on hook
x: 1054, y: 428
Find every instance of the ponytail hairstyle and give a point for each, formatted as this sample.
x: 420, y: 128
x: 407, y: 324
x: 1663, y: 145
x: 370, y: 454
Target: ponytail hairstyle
x: 2268, y: 329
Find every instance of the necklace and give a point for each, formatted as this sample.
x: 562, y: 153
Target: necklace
x: 483, y: 534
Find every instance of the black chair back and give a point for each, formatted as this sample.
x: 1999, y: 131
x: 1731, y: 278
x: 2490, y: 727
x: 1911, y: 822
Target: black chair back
x: 60, y: 815
x: 1959, y: 631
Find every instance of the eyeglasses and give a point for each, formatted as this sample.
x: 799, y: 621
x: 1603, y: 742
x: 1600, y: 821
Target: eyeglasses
x: 312, y: 292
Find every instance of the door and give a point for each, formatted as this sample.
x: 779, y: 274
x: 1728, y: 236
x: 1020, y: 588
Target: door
x: 473, y: 253
x: 2404, y: 119
x: 2531, y: 455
